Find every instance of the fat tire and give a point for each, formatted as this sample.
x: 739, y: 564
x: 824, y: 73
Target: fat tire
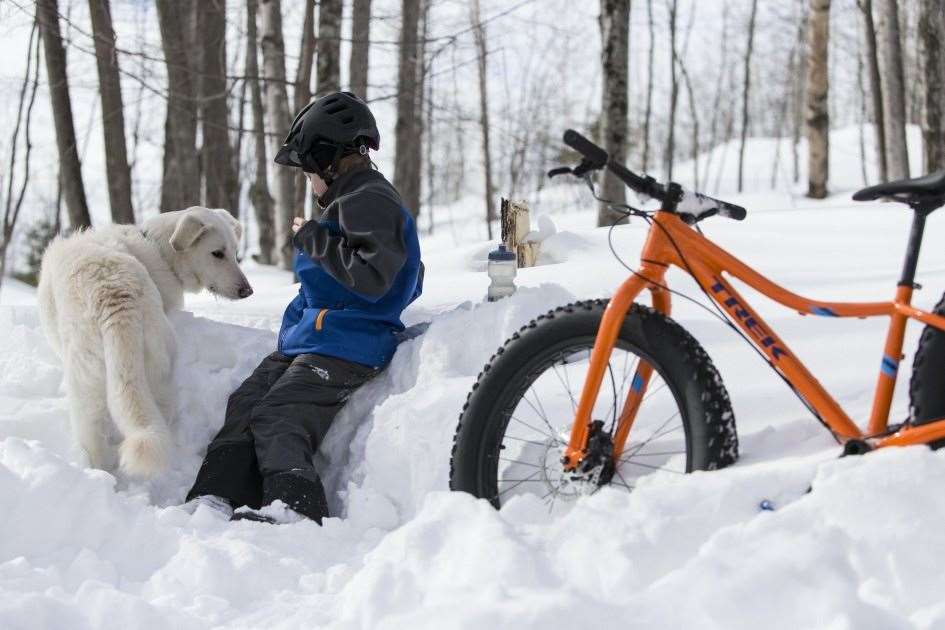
x: 705, y: 407
x: 927, y: 384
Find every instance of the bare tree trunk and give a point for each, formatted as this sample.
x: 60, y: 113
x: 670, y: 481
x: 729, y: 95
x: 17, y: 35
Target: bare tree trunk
x: 931, y: 37
x: 479, y: 33
x: 428, y: 137
x: 360, y: 47
x: 259, y: 196
x: 277, y: 110
x: 719, y: 90
x: 799, y: 95
x: 303, y: 72
x: 894, y: 101
x: 673, y: 93
x: 694, y: 114
x: 222, y: 187
x: 303, y: 88
x: 746, y: 89
x: 614, y: 32
x: 11, y: 210
x: 406, y: 130
x: 861, y: 92
x: 180, y: 184
x: 117, y: 171
x: 329, y: 47
x: 422, y: 90
x: 47, y: 12
x: 648, y: 113
x: 818, y: 118
x: 876, y: 86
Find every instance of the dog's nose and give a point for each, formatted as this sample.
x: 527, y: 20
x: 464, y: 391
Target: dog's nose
x: 245, y: 292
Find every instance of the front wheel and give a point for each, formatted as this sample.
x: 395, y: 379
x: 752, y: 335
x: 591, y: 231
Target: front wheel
x: 517, y: 418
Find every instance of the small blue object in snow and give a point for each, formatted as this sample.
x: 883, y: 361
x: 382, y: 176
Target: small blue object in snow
x: 766, y: 505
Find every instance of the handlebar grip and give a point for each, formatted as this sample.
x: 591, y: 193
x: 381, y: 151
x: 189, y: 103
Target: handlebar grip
x: 593, y: 153
x: 732, y: 211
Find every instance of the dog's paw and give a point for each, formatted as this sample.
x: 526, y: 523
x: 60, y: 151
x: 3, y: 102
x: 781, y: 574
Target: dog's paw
x: 145, y: 453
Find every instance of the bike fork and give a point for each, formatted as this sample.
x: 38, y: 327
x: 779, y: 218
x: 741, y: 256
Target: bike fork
x: 607, y: 334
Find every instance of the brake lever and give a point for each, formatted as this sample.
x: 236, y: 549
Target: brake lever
x: 561, y: 170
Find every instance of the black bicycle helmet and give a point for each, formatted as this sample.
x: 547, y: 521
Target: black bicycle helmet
x: 326, y: 129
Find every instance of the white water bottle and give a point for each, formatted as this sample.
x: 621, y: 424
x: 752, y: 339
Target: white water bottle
x: 501, y: 269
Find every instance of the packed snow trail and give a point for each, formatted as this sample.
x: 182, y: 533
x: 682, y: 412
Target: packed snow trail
x: 82, y: 549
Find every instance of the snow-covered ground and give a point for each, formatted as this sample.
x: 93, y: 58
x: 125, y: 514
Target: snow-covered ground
x: 81, y: 548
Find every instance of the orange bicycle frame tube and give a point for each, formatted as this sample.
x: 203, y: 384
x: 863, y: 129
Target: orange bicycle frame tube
x: 708, y: 264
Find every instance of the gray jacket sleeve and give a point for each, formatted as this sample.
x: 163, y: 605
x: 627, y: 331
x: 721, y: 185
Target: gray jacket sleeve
x: 369, y: 252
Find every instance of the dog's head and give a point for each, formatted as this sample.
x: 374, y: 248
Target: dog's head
x: 204, y: 243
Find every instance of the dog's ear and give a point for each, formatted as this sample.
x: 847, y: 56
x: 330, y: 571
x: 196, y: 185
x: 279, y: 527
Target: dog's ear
x: 189, y: 229
x: 232, y: 221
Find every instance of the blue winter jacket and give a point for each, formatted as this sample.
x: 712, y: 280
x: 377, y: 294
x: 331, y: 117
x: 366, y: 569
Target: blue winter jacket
x: 359, y: 267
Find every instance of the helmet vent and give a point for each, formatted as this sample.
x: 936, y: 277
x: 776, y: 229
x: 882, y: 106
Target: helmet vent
x: 347, y: 119
x: 334, y: 109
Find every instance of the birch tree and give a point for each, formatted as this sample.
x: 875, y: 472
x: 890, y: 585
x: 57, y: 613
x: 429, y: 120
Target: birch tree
x: 614, y: 31
x: 360, y: 47
x: 118, y: 173
x: 894, y: 91
x: 180, y: 183
x: 303, y: 87
x: 259, y: 195
x: 746, y: 90
x: 47, y: 14
x: 670, y: 149
x: 329, y: 47
x: 818, y: 118
x: 650, y: 57
x: 222, y: 187
x: 479, y: 34
x: 876, y: 87
x: 931, y: 29
x: 406, y: 129
x: 277, y: 112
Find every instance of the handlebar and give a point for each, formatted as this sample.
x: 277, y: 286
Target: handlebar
x: 691, y: 206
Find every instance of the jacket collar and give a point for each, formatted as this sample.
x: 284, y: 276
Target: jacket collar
x: 346, y: 183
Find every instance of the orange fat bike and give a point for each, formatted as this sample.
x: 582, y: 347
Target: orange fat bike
x: 601, y: 392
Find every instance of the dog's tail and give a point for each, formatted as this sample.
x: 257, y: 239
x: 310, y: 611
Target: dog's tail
x: 116, y: 304
x: 147, y: 440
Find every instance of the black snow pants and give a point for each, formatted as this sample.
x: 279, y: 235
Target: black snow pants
x: 274, y: 423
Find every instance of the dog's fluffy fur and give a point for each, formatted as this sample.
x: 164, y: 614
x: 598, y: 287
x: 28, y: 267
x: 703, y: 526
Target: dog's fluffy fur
x: 103, y: 298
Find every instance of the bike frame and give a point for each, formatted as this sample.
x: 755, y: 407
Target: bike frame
x: 706, y: 263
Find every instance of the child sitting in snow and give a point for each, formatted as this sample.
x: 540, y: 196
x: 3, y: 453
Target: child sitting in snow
x: 359, y: 267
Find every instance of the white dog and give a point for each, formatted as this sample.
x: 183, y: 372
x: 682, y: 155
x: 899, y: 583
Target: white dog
x: 103, y: 295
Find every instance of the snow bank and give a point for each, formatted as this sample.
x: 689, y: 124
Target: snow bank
x: 86, y: 549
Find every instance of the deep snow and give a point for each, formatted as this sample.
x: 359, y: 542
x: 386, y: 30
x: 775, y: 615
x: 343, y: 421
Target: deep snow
x: 84, y: 549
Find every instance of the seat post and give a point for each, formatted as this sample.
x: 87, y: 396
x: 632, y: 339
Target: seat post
x: 912, y: 249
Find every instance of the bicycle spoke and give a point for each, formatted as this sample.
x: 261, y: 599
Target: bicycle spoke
x: 624, y: 481
x: 653, y: 435
x: 540, y: 414
x: 553, y: 437
x: 518, y: 439
x: 653, y: 391
x: 519, y: 482
x: 626, y: 374
x: 566, y: 389
x: 518, y: 461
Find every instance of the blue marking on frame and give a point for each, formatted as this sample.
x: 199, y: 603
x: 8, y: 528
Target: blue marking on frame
x: 889, y: 367
x: 637, y: 384
x: 822, y: 311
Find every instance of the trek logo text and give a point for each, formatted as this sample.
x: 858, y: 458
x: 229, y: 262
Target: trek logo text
x: 733, y: 306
